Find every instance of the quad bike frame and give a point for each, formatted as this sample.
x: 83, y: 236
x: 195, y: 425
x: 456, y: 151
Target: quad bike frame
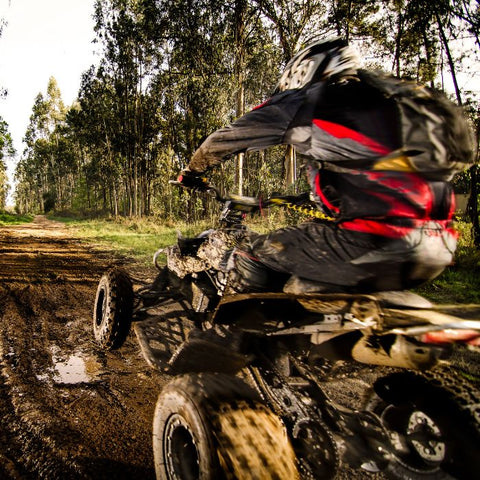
x: 282, y: 365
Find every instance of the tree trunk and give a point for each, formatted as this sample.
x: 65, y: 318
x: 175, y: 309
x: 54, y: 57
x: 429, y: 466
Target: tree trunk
x: 241, y: 156
x: 290, y: 166
x: 240, y: 10
x: 398, y: 41
x: 451, y: 63
x: 472, y: 207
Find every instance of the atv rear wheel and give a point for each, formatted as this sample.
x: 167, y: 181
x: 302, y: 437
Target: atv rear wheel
x: 212, y: 426
x: 432, y: 422
x: 112, y: 314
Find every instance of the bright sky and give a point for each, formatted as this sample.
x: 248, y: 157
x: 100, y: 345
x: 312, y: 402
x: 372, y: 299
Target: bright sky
x: 42, y: 38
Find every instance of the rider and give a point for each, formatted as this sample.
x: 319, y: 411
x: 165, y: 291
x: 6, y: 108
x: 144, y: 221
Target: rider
x: 379, y: 153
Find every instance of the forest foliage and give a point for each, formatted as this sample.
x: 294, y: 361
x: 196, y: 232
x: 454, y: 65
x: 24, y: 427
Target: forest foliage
x: 170, y: 72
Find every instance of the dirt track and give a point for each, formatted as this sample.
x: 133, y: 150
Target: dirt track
x: 67, y: 409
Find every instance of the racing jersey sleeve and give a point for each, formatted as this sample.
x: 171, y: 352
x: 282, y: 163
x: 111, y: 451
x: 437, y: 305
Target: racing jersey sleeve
x: 264, y: 126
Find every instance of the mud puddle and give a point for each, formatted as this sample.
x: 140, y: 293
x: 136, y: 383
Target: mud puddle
x: 68, y: 410
x: 74, y: 369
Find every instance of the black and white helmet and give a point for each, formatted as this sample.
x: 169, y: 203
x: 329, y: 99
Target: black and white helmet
x: 318, y: 61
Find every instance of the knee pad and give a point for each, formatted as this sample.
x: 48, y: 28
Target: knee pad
x: 250, y: 275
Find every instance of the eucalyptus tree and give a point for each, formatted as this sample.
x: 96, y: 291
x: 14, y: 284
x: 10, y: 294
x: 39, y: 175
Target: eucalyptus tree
x: 435, y: 25
x: 40, y: 175
x: 419, y: 33
x: 468, y: 11
x: 353, y: 18
x: 125, y: 30
x: 3, y: 91
x: 255, y: 66
x: 197, y: 64
x: 24, y: 200
x: 194, y: 88
x: 6, y: 151
x: 218, y: 61
x: 96, y: 127
x: 292, y: 20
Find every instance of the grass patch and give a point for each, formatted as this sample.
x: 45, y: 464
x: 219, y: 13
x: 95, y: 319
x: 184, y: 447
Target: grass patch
x: 138, y: 238
x: 13, y: 219
x: 454, y: 285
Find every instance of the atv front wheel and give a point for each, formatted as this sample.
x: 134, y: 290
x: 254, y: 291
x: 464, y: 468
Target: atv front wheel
x: 433, y: 425
x: 212, y: 426
x: 112, y: 314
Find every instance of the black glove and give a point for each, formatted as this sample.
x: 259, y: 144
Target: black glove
x: 193, y: 180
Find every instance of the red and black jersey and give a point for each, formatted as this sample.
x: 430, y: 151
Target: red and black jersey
x: 361, y: 172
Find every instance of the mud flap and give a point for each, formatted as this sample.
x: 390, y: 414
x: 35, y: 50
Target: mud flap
x: 198, y: 355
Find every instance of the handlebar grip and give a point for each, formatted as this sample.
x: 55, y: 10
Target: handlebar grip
x: 206, y: 187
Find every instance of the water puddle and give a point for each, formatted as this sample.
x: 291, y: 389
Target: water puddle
x: 76, y: 368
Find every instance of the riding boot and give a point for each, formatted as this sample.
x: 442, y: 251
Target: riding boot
x: 160, y: 283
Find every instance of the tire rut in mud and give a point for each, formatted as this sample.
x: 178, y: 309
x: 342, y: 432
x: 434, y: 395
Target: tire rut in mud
x: 67, y: 409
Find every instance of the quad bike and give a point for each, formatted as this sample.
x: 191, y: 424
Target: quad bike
x: 262, y: 409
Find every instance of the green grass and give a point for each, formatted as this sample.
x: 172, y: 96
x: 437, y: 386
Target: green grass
x: 136, y: 238
x: 13, y: 219
x: 141, y: 238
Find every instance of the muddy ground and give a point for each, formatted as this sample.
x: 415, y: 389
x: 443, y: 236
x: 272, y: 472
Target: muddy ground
x: 69, y: 410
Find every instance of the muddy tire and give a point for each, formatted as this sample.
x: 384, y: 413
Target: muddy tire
x: 433, y: 421
x: 112, y: 314
x: 213, y: 426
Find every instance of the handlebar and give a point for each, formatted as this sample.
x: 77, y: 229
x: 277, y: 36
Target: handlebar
x: 252, y: 204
